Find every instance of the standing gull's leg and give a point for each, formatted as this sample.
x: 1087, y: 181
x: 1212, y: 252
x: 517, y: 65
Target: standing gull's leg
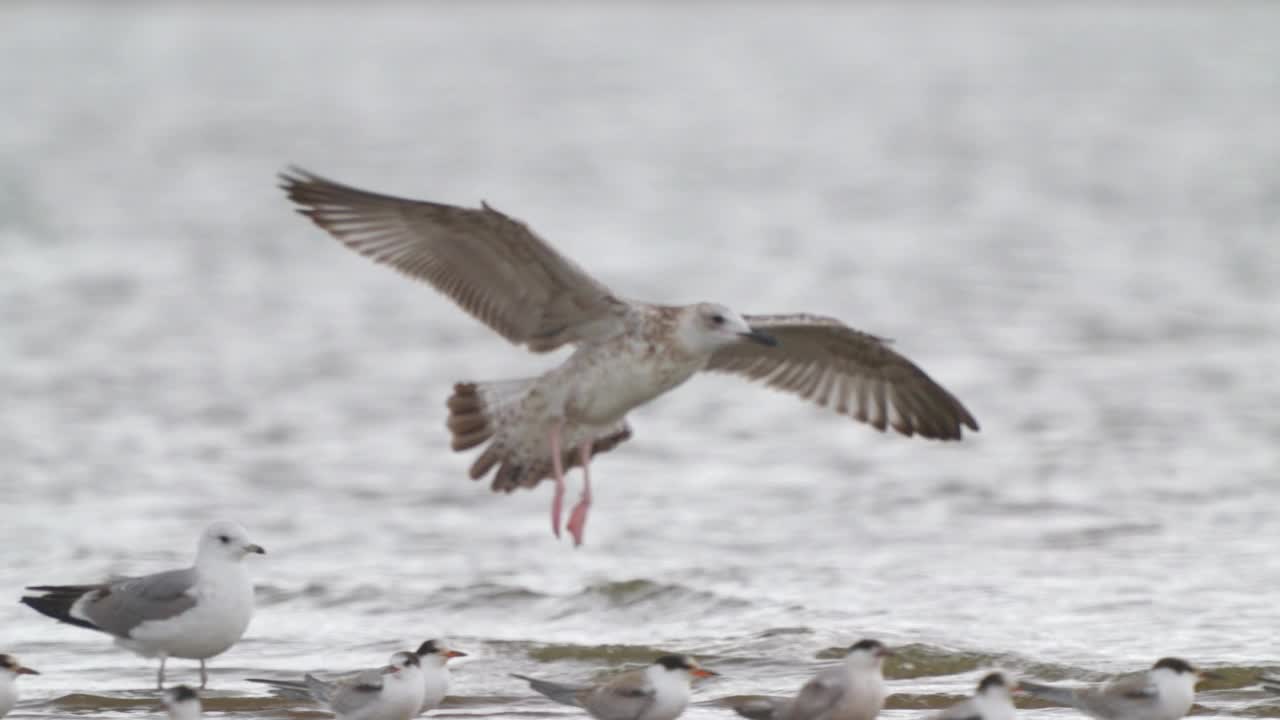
x: 160, y: 673
x: 578, y: 518
x: 558, y: 468
x: 204, y: 675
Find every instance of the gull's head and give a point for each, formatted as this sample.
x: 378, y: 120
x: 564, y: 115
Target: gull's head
x: 710, y: 326
x: 181, y: 702
x: 10, y: 666
x: 402, y: 663
x: 1177, y: 670
x: 434, y: 653
x: 996, y: 685
x: 869, y: 654
x: 681, y: 666
x: 228, y: 541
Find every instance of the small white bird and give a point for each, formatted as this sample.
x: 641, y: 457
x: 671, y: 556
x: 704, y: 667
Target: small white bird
x: 657, y: 692
x: 1165, y: 692
x: 195, y: 613
x: 432, y: 655
x: 181, y: 702
x: 435, y: 672
x: 993, y: 700
x: 852, y: 690
x: 10, y: 669
x: 627, y: 353
x: 393, y: 692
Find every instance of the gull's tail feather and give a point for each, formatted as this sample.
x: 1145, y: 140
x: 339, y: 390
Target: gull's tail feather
x: 476, y: 410
x: 488, y: 412
x: 59, y: 601
x: 1060, y: 695
x: 289, y: 689
x: 560, y: 692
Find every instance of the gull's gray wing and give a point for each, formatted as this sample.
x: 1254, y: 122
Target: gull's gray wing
x: 625, y: 697
x: 1121, y: 698
x: 289, y: 689
x: 490, y: 264
x: 563, y: 693
x: 857, y: 374
x: 119, y: 606
x: 818, y: 696
x: 348, y: 696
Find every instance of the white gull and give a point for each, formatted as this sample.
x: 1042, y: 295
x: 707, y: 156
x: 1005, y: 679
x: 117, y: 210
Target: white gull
x: 433, y: 657
x: 627, y: 352
x: 194, y: 613
x: 181, y: 703
x: 10, y: 669
x: 393, y: 692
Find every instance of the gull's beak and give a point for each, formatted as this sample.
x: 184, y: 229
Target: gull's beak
x: 884, y: 652
x: 756, y: 336
x: 1014, y: 687
x: 24, y: 670
x: 702, y: 672
x: 390, y: 670
x: 1208, y: 675
x: 254, y: 548
x: 453, y: 654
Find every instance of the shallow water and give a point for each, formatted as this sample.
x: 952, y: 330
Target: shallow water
x: 1068, y: 216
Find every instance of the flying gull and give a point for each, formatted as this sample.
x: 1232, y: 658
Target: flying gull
x: 627, y: 352
x: 194, y: 613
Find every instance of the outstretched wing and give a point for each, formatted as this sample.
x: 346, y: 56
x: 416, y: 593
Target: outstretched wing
x: 857, y: 374
x: 490, y: 264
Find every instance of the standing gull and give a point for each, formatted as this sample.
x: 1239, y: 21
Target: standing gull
x: 627, y: 352
x: 181, y: 702
x: 657, y: 692
x: 993, y: 700
x: 1165, y: 692
x: 10, y: 669
x: 852, y: 690
x: 393, y: 692
x: 195, y: 613
x: 433, y: 656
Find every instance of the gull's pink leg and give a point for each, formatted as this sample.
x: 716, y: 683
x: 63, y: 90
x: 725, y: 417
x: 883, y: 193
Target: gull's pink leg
x: 558, y: 468
x: 578, y: 518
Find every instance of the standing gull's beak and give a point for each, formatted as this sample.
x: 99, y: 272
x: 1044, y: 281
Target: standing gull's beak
x: 701, y: 672
x: 454, y: 654
x: 254, y: 548
x: 24, y: 670
x: 756, y: 336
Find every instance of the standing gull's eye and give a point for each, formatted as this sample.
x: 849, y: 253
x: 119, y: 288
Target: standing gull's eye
x: 717, y: 319
x: 224, y: 539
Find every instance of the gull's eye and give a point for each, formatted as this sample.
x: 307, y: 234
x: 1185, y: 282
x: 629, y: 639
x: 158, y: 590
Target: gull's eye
x: 717, y: 319
x: 224, y: 539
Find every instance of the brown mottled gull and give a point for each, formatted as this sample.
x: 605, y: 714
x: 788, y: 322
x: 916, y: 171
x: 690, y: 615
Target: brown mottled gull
x: 627, y: 352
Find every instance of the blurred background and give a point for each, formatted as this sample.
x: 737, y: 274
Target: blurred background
x: 1068, y: 214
